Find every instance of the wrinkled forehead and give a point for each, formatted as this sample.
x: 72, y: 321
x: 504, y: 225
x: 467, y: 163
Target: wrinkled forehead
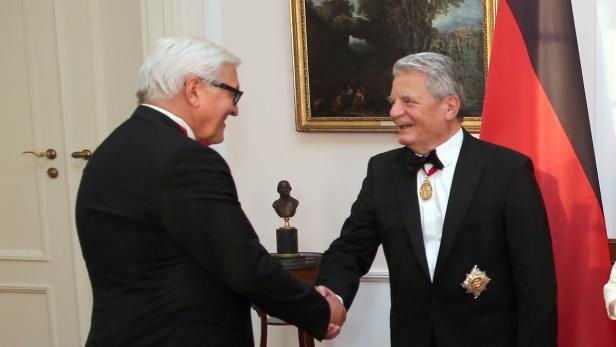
x: 412, y: 84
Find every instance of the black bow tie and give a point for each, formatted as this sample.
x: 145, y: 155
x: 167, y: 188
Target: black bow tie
x: 416, y: 162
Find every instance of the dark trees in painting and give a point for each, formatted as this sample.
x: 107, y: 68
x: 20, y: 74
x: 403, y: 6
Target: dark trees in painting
x: 353, y: 44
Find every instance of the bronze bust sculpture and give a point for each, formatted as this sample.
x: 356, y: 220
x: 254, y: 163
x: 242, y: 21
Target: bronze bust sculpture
x: 286, y: 205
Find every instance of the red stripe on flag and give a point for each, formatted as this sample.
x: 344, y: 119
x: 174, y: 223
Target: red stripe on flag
x: 518, y: 115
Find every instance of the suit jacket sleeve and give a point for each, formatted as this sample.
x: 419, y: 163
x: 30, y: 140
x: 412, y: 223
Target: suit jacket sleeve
x: 534, y: 278
x: 350, y: 256
x: 201, y: 211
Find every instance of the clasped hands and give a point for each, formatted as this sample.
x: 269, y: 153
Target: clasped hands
x: 337, y: 314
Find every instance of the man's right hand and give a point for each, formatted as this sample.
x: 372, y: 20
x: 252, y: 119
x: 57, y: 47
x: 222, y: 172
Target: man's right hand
x: 612, y: 310
x: 337, y: 314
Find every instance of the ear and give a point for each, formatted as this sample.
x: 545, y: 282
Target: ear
x: 192, y: 90
x: 452, y: 103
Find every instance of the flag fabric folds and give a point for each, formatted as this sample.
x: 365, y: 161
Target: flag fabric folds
x: 535, y: 104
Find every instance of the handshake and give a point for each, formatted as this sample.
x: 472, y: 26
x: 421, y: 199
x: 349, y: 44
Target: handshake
x: 337, y: 314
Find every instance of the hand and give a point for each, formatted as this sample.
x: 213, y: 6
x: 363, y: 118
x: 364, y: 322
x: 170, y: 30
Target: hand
x: 337, y: 311
x: 332, y: 331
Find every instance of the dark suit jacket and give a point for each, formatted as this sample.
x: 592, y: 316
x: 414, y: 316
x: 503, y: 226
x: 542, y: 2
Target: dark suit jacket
x: 172, y: 258
x: 495, y: 219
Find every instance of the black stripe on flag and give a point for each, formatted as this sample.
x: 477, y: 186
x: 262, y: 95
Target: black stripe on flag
x: 549, y: 32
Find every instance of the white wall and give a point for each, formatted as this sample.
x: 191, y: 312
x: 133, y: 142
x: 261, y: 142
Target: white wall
x: 605, y: 101
x: 326, y: 170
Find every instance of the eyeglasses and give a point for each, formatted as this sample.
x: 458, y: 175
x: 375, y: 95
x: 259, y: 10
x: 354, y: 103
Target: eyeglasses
x: 237, y: 94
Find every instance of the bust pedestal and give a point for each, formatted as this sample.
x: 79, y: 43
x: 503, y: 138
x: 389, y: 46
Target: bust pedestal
x: 286, y: 241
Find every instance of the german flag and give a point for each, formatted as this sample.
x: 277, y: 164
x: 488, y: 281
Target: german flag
x: 535, y: 104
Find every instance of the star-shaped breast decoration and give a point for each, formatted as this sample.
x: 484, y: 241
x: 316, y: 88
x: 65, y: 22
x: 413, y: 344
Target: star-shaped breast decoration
x: 475, y: 282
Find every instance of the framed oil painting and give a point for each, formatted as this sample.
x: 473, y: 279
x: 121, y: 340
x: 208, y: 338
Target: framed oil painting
x: 344, y: 50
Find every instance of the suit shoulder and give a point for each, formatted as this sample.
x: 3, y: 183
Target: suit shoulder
x: 489, y: 148
x: 168, y: 140
x: 160, y: 148
x: 491, y: 151
x: 389, y: 155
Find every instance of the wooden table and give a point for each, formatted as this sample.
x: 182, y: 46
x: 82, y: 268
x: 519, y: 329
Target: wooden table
x: 304, y: 268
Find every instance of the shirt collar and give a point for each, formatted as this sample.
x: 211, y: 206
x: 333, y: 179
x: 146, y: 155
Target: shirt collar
x: 179, y: 121
x: 449, y: 151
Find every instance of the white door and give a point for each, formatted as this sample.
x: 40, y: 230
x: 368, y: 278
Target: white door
x: 67, y: 72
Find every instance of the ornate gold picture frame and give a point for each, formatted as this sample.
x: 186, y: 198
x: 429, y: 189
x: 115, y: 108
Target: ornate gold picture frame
x: 343, y: 52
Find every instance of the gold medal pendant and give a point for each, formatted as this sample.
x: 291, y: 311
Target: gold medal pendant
x: 425, y: 191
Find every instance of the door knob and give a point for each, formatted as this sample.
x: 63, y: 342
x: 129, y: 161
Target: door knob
x: 52, y: 172
x: 84, y: 154
x: 49, y: 154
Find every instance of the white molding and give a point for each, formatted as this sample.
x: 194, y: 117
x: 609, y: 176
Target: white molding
x: 23, y: 255
x: 157, y: 20
x: 153, y: 24
x: 161, y: 18
x: 39, y: 289
x: 376, y: 276
x: 170, y: 22
x: 24, y: 288
x: 145, y: 39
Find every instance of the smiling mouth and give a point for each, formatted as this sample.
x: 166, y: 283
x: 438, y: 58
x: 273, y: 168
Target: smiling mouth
x: 405, y: 126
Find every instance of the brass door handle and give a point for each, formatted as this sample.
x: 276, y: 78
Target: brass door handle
x: 49, y: 154
x: 84, y: 154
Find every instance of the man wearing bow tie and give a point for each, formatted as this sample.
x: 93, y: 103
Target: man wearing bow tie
x: 461, y: 221
x: 172, y: 258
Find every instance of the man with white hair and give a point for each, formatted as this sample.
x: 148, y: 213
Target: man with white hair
x: 461, y: 221
x: 172, y: 258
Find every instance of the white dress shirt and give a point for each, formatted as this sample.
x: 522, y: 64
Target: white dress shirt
x: 433, y: 211
x: 179, y: 121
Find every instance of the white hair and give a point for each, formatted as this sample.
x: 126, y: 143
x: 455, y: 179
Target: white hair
x: 444, y: 76
x: 173, y: 59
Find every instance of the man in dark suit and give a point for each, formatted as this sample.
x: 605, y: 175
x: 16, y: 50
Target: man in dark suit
x: 461, y: 221
x: 172, y: 258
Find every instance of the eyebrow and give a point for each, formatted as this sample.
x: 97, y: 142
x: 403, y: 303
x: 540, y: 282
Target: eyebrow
x: 404, y: 98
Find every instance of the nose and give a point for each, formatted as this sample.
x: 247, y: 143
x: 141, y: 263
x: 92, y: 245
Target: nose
x: 235, y: 111
x: 395, y: 111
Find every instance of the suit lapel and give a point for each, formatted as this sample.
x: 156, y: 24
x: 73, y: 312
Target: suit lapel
x: 465, y: 180
x: 407, y: 194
